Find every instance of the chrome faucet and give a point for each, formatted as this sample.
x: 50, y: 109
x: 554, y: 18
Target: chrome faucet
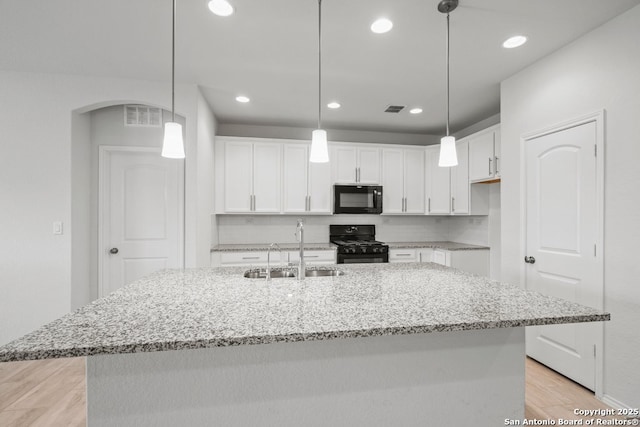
x: 300, y: 235
x: 271, y: 246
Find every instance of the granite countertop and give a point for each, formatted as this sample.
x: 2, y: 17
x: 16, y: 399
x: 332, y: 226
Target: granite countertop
x: 450, y: 246
x: 249, y: 247
x: 197, y: 308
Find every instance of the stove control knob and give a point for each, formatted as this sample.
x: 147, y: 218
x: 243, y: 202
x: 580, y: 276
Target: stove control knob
x: 364, y: 250
x: 375, y: 250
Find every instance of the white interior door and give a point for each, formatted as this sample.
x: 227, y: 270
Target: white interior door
x: 561, y: 235
x: 141, y: 215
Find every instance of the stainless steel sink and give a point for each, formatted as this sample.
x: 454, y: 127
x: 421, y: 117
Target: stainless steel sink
x: 323, y: 273
x: 278, y: 274
x: 262, y: 274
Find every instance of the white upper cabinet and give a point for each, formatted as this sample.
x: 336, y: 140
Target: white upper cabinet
x: 238, y: 179
x: 437, y: 184
x: 306, y: 186
x: 252, y: 177
x: 355, y: 164
x: 460, y: 181
x: 403, y: 180
x: 484, y: 155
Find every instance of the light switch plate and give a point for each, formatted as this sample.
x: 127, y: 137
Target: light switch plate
x: 57, y: 227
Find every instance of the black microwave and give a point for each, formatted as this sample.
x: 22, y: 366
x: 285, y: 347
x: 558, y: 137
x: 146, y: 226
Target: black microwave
x: 357, y: 199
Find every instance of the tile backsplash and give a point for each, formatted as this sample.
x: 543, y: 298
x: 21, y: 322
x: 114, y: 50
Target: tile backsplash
x: 281, y: 228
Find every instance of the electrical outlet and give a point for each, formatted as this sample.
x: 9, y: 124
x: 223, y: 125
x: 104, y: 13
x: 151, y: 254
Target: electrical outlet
x: 57, y: 227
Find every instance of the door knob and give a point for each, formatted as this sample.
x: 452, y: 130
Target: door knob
x: 113, y: 251
x: 529, y: 259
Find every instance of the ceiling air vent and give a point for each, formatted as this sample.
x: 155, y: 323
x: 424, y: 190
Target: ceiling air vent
x: 141, y: 115
x: 394, y: 108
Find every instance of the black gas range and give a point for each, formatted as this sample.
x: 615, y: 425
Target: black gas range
x: 357, y: 244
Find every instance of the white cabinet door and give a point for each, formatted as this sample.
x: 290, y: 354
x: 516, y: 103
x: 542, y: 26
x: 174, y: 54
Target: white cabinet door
x: 497, y: 149
x: 481, y: 156
x: 369, y: 165
x: 442, y: 257
x: 295, y: 168
x: 267, y: 177
x: 413, y: 181
x: 353, y: 164
x: 392, y: 180
x: 460, y: 181
x: 344, y: 160
x: 238, y: 176
x: 319, y: 189
x: 425, y: 254
x: 438, y: 191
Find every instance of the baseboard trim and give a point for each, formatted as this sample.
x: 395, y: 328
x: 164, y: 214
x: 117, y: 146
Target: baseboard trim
x: 613, y: 402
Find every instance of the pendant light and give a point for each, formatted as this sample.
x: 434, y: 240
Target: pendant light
x: 319, y: 150
x: 173, y: 145
x: 448, y: 155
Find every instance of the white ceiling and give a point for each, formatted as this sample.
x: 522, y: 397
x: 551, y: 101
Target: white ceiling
x: 268, y: 51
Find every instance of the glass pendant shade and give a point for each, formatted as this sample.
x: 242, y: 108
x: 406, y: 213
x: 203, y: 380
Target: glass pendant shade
x: 319, y: 149
x: 448, y: 155
x: 173, y: 145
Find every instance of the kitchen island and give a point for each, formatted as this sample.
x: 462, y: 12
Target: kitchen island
x: 357, y: 349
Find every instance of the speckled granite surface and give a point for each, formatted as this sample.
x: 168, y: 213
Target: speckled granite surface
x: 249, y: 247
x: 174, y: 309
x: 450, y: 246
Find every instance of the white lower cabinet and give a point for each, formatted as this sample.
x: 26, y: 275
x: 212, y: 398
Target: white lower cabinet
x: 403, y: 255
x: 475, y: 261
x: 276, y: 258
x: 313, y: 257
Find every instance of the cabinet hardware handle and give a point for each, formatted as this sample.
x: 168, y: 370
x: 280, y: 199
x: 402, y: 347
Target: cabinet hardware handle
x: 496, y: 164
x: 312, y: 256
x: 490, y: 159
x: 250, y: 257
x: 359, y: 174
x: 453, y: 204
x: 429, y: 205
x: 403, y: 254
x: 529, y: 260
x: 113, y: 251
x: 254, y: 202
x: 250, y: 202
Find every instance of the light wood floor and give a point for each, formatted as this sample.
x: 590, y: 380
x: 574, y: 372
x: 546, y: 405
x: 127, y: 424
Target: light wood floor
x: 52, y: 393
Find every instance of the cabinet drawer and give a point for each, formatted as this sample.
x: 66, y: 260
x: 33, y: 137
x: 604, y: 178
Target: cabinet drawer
x: 245, y: 258
x: 314, y: 257
x: 402, y: 255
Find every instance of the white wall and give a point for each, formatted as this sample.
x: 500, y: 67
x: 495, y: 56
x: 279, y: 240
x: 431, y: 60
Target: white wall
x: 206, y: 230
x: 598, y: 71
x: 228, y: 129
x: 36, y: 184
x: 281, y: 228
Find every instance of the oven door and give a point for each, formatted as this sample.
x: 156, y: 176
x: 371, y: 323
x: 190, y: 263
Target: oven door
x: 361, y: 258
x: 357, y: 199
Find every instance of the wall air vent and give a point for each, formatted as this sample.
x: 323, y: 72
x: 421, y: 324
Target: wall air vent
x: 141, y: 115
x: 394, y: 108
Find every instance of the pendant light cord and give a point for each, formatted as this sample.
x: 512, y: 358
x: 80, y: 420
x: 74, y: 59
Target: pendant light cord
x: 173, y: 64
x: 319, y: 62
x: 447, y: 73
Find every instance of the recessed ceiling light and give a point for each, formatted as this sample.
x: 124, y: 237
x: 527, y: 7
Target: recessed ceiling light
x: 242, y: 99
x: 415, y: 110
x: 514, y: 41
x: 333, y: 105
x: 381, y: 26
x: 221, y: 7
